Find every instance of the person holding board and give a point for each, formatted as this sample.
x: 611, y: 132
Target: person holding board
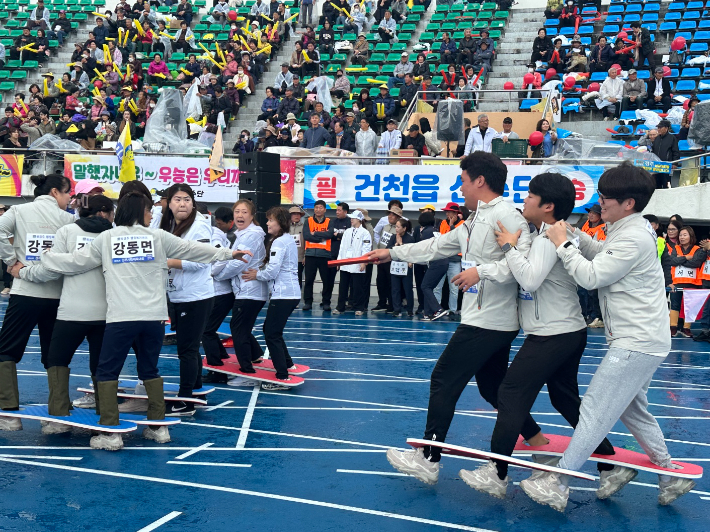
x: 480, y: 346
x: 626, y: 271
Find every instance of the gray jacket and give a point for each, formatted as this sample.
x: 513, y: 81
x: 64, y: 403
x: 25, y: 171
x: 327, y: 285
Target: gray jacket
x: 83, y: 296
x: 134, y: 261
x: 33, y: 227
x: 252, y: 239
x: 547, y: 298
x: 281, y: 272
x: 494, y: 306
x: 632, y: 292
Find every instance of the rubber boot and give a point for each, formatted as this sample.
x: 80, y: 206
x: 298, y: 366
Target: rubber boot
x: 156, y: 398
x: 96, y: 395
x: 107, y: 391
x: 58, y: 403
x: 9, y: 393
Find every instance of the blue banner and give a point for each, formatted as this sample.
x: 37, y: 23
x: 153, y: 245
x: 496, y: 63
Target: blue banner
x: 373, y: 186
x: 655, y: 167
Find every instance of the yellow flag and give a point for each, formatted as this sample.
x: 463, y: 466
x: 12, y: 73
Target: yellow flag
x: 124, y: 152
x: 217, y: 157
x: 423, y: 107
x: 410, y: 4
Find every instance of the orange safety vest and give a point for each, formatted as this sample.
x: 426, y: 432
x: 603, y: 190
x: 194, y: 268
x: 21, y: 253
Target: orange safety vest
x: 683, y: 274
x: 445, y: 227
x: 314, y: 227
x: 599, y: 231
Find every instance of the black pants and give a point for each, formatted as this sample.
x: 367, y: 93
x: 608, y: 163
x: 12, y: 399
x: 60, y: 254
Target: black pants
x: 6, y: 277
x: 300, y: 274
x: 419, y: 271
x: 67, y: 337
x: 661, y: 180
x: 118, y: 338
x: 665, y: 103
x: 320, y: 265
x: 276, y: 317
x: 22, y: 315
x: 542, y: 359
x: 358, y: 287
x: 402, y: 284
x: 651, y: 60
x: 246, y: 347
x: 471, y: 351
x: 384, y: 286
x: 214, y: 350
x: 436, y: 271
x: 190, y: 322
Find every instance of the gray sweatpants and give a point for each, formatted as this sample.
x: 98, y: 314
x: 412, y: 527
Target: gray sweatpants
x: 618, y: 391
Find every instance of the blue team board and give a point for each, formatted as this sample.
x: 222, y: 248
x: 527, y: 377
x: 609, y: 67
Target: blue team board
x: 79, y: 418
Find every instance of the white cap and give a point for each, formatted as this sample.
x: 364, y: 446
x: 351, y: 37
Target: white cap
x: 357, y: 215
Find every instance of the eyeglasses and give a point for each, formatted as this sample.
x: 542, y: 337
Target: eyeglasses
x: 604, y: 199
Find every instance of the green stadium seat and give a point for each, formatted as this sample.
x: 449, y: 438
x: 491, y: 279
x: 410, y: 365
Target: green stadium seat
x: 80, y: 17
x: 373, y: 37
x: 215, y: 28
x: 388, y: 69
x: 497, y: 24
x: 473, y: 6
x: 350, y: 37
x: 4, y: 33
x: 448, y: 26
x: 433, y: 26
x: 382, y: 47
x: 438, y: 17
x: 4, y: 75
x: 177, y: 56
x: 417, y: 9
x: 494, y: 34
x: 13, y: 64
x: 442, y: 8
x: 377, y: 58
x: 201, y: 27
x: 333, y: 67
x: 414, y: 18
x: 394, y: 92
x: 4, y: 15
x: 488, y: 6
x: 7, y: 86
x: 404, y: 37
x: 12, y: 24
x: 480, y: 25
x: 409, y: 28
x: 485, y: 15
x: 501, y: 15
x: 399, y: 47
x: 427, y: 36
x: 340, y: 58
x: 19, y: 75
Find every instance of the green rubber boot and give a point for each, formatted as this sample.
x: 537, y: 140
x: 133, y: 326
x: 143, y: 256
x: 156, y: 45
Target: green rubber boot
x: 96, y: 395
x: 107, y: 391
x: 9, y: 393
x: 58, y: 403
x: 156, y: 398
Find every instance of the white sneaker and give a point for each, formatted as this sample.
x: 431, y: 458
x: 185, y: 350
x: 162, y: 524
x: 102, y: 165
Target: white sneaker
x: 293, y: 368
x: 671, y: 489
x: 413, y: 463
x: 547, y: 489
x: 596, y: 324
x: 612, y: 481
x: 140, y: 389
x: 335, y: 312
x: 486, y: 480
x: 133, y: 405
x: 439, y: 314
x: 10, y: 423
x: 274, y: 386
x: 242, y: 381
x: 108, y: 441
x: 160, y: 435
x: 51, y: 427
x: 88, y: 400
x: 543, y: 459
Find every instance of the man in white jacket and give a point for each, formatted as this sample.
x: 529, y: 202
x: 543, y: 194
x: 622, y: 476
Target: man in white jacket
x: 481, y: 137
x: 626, y: 271
x: 480, y: 346
x: 611, y: 94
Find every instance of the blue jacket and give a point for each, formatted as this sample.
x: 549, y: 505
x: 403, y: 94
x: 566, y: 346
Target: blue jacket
x: 389, y: 104
x: 101, y: 34
x: 270, y: 103
x: 451, y: 47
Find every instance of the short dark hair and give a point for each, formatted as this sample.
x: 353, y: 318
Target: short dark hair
x: 691, y: 233
x: 652, y: 218
x: 45, y: 183
x: 224, y: 214
x: 320, y: 202
x: 480, y: 163
x: 677, y: 217
x: 131, y: 209
x: 426, y: 219
x: 406, y: 224
x: 635, y: 24
x: 137, y: 187
x: 344, y: 205
x: 95, y: 205
x: 395, y: 202
x: 627, y: 181
x: 556, y: 189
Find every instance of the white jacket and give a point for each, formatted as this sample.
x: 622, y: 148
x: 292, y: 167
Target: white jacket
x: 33, y: 227
x: 281, y: 272
x: 475, y: 143
x: 494, y: 306
x: 252, y: 239
x: 355, y: 243
x: 632, y: 292
x: 194, y: 281
x: 547, y: 297
x: 135, y: 288
x: 220, y: 240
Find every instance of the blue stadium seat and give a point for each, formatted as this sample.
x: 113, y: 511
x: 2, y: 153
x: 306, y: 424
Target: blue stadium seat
x: 668, y: 27
x: 649, y: 17
x: 586, y: 30
x: 688, y: 25
x: 701, y: 36
x: 685, y: 85
x: 567, y: 31
x: 643, y: 74
x: 634, y: 8
x: 525, y: 105
x: 698, y: 47
x: 613, y: 19
x: 675, y: 129
x: 652, y: 8
x: 684, y: 145
x: 619, y: 8
x: 650, y: 26
x: 570, y: 105
x: 552, y: 23
x: 635, y: 17
x: 704, y: 24
x: 703, y: 97
x: 685, y: 34
x: 676, y: 6
x: 598, y: 76
x: 694, y: 5
x: 628, y: 115
x: 611, y: 29
x: 691, y: 15
x: 690, y: 73
x: 671, y: 16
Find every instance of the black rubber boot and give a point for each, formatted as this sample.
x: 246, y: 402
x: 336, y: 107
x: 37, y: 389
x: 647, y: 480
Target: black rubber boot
x: 107, y: 391
x: 58, y: 403
x: 9, y: 393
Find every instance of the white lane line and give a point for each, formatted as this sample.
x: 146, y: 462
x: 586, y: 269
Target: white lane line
x: 340, y: 351
x: 383, y: 473
x: 370, y: 375
x: 215, y: 407
x: 337, y: 409
x: 42, y: 457
x: 194, y: 451
x: 244, y: 431
x: 237, y: 491
x: 161, y: 521
x: 209, y: 464
x: 705, y: 498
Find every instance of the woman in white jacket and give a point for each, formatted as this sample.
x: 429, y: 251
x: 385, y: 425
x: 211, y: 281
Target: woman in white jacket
x: 32, y: 227
x: 280, y: 273
x: 355, y: 243
x: 133, y: 259
x: 190, y: 291
x: 249, y: 295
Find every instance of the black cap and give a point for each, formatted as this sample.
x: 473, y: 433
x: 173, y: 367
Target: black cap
x: 507, y: 120
x: 413, y: 127
x: 595, y: 208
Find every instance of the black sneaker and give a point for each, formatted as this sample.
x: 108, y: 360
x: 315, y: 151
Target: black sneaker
x: 326, y: 307
x: 419, y: 311
x: 307, y: 307
x: 389, y: 310
x: 378, y: 308
x: 703, y: 336
x: 170, y: 339
x: 410, y: 314
x: 215, y: 378
x: 179, y: 408
x: 439, y: 314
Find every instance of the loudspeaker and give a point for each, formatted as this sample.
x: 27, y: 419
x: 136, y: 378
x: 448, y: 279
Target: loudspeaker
x: 449, y: 120
x: 263, y: 202
x: 260, y: 181
x: 260, y: 161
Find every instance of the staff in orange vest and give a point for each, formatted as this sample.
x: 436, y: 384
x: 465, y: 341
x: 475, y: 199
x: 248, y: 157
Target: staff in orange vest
x: 686, y: 260
x: 317, y: 233
x: 594, y: 226
x: 453, y: 220
x: 588, y: 299
x: 704, y: 320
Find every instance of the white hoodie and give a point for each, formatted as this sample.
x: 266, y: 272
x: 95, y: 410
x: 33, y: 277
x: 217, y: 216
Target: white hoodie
x: 194, y: 281
x: 252, y: 239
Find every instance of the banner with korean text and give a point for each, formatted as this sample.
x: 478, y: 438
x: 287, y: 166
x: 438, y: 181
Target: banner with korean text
x: 372, y: 187
x: 11, y: 175
x: 159, y: 172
